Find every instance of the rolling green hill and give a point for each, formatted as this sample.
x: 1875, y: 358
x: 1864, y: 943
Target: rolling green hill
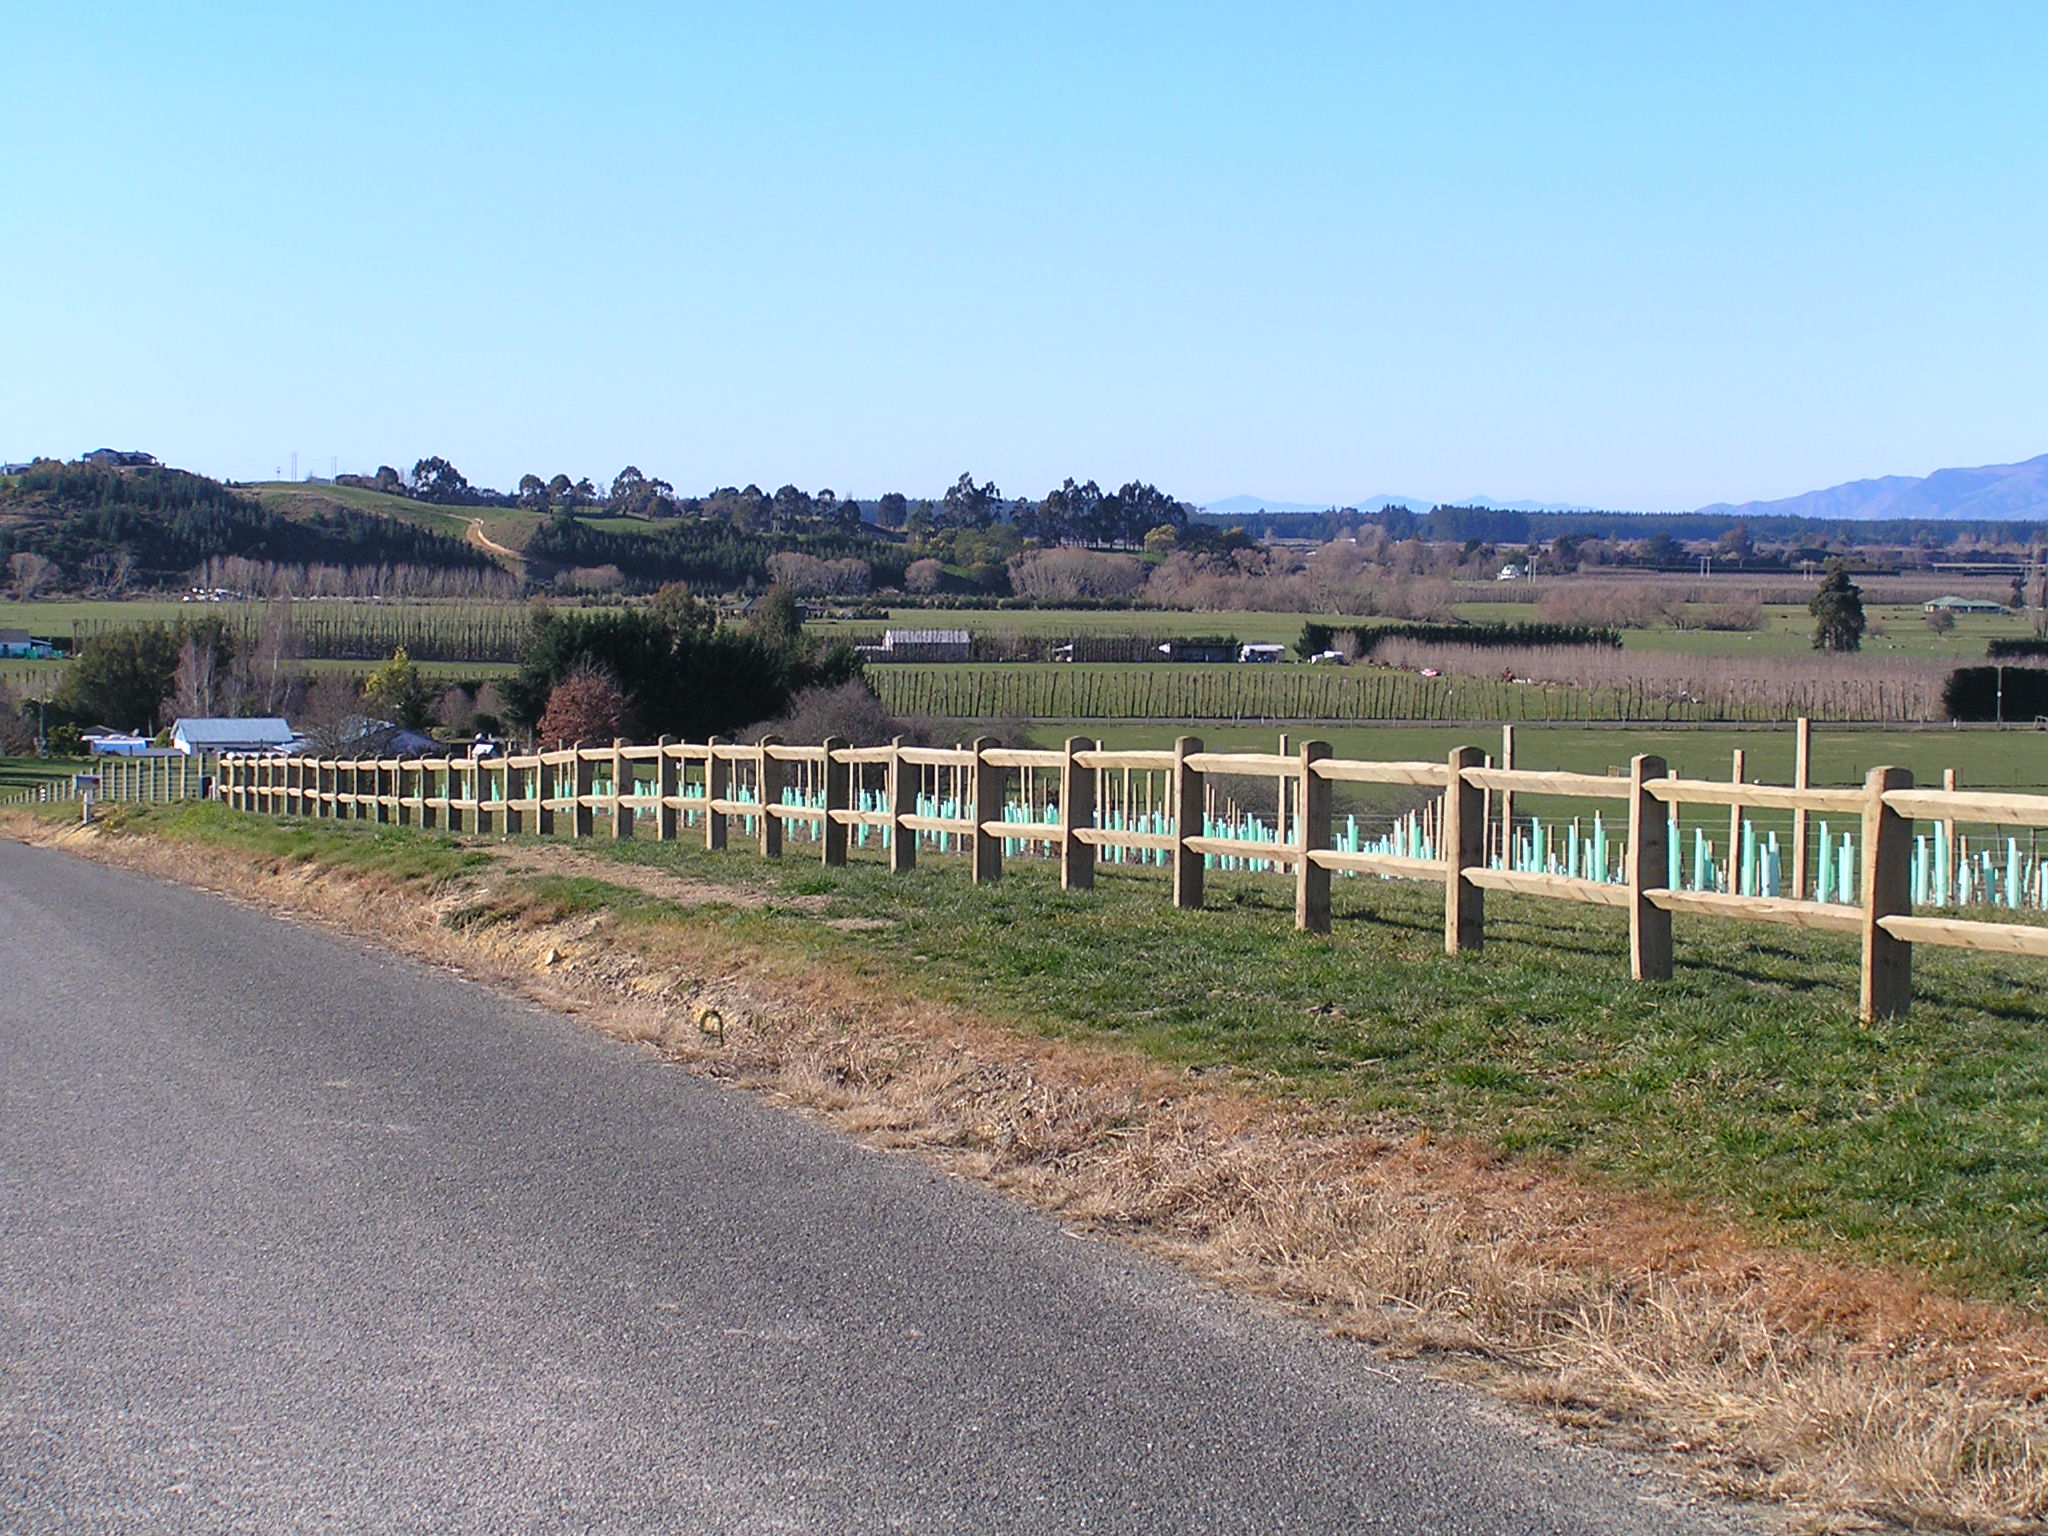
x: 151, y: 525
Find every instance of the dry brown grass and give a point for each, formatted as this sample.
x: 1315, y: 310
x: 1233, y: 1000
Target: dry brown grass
x: 1851, y: 1396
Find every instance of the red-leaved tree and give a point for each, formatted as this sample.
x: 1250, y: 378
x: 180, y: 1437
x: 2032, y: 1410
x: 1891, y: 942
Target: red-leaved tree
x: 584, y: 706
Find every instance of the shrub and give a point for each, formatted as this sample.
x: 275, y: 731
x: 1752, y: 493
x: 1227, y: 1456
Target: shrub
x: 1995, y: 693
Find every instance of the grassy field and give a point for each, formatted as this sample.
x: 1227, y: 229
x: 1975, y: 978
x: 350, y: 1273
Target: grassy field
x: 1744, y: 1087
x: 505, y: 525
x: 18, y: 773
x: 1983, y: 757
x: 1788, y: 629
x: 1249, y: 628
x: 301, y: 499
x: 448, y: 631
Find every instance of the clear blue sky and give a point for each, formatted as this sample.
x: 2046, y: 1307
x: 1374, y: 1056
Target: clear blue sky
x: 1643, y: 256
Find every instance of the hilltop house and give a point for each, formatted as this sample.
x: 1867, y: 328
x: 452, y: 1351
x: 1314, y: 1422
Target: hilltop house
x: 117, y: 458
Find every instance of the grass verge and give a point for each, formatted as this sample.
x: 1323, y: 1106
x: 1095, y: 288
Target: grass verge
x: 1653, y: 1210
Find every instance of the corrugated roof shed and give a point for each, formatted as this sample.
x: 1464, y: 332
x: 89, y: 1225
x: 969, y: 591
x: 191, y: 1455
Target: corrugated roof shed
x: 895, y: 637
x: 231, y: 735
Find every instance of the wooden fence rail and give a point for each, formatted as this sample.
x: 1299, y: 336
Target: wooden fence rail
x: 671, y: 789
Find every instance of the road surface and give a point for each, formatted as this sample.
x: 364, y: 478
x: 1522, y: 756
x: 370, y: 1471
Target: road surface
x: 297, y: 1236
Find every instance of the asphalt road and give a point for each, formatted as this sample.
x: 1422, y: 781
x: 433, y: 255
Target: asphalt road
x: 295, y: 1236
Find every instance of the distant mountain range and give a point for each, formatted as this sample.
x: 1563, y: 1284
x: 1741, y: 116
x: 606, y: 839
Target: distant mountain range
x: 1989, y: 493
x: 2007, y: 493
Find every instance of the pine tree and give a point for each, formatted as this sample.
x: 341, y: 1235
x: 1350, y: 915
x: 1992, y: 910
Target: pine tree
x: 1837, y: 610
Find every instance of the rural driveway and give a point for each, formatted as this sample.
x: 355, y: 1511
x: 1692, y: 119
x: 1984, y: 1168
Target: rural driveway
x: 295, y: 1236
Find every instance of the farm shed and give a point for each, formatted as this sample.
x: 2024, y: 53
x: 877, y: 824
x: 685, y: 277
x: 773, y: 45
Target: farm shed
x: 1259, y: 652
x: 925, y: 645
x: 1964, y: 605
x: 1199, y: 650
x: 263, y: 733
x: 100, y: 741
x: 16, y: 644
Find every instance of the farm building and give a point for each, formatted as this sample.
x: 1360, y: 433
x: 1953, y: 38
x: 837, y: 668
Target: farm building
x: 101, y: 741
x: 263, y: 733
x: 1964, y: 605
x: 921, y: 645
x: 1262, y: 653
x: 16, y: 644
x: 1199, y: 650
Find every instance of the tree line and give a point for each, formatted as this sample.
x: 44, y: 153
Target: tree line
x: 1072, y: 512
x: 672, y: 666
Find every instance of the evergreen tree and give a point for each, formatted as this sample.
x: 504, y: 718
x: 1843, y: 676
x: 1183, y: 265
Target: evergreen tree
x: 398, y: 690
x: 1837, y: 610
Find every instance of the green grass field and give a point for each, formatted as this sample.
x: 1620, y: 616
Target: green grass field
x: 1744, y: 1087
x: 505, y: 525
x: 18, y: 773
x: 1788, y: 629
x: 1984, y: 758
x: 1250, y: 628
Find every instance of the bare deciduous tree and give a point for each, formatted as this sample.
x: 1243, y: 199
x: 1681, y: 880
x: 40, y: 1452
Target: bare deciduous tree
x: 28, y: 572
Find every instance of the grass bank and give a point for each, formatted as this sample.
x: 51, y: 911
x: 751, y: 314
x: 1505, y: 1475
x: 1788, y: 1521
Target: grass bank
x: 1693, y: 1214
x: 1745, y: 1086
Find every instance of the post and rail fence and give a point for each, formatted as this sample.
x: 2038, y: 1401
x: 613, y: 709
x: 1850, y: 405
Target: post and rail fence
x: 1081, y: 804
x: 159, y: 776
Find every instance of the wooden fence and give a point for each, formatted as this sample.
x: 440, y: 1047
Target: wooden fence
x: 964, y: 798
x: 157, y: 777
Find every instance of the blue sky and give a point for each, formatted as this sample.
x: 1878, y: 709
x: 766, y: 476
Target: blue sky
x: 1643, y: 256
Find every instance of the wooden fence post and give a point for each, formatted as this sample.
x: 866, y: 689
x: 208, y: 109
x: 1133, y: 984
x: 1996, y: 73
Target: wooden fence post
x: 838, y: 797
x: 1464, y: 839
x: 544, y: 795
x: 1312, y: 880
x: 583, y: 818
x: 1507, y: 800
x: 1649, y: 867
x: 453, y: 782
x: 987, y: 791
x: 717, y: 786
x: 768, y: 782
x: 1187, y: 823
x: 511, y: 820
x: 903, y: 779
x: 666, y: 785
x: 1077, y: 810
x: 622, y: 785
x: 1735, y: 830
x: 1948, y: 841
x: 1802, y: 778
x: 1887, y: 989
